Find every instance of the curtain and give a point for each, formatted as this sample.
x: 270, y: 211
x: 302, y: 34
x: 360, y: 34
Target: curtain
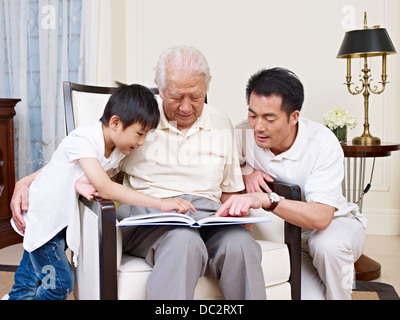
x: 46, y: 42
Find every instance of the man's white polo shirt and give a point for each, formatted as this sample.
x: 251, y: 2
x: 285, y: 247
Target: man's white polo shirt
x: 314, y: 162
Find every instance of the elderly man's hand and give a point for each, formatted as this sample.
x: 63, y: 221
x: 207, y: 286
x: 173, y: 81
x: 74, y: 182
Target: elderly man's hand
x: 20, y: 200
x: 255, y: 181
x: 19, y: 203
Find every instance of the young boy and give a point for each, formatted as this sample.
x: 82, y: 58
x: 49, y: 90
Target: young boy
x: 52, y: 221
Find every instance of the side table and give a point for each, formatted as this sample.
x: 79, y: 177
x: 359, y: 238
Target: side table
x: 366, y: 268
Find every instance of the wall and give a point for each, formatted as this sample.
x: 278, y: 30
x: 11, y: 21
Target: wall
x: 239, y: 37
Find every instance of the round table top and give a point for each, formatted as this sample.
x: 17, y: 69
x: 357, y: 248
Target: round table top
x: 360, y: 151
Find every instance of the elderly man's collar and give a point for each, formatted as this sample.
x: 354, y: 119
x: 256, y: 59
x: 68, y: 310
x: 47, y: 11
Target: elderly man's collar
x: 203, y: 122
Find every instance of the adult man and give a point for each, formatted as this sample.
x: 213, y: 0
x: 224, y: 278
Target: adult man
x: 190, y: 155
x: 290, y: 148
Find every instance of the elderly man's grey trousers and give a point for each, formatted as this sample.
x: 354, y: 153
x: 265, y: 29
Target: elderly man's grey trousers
x: 181, y: 255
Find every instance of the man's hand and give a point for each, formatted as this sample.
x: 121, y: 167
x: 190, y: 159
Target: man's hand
x: 85, y: 188
x: 239, y: 205
x: 255, y: 181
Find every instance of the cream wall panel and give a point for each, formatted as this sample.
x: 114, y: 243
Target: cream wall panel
x: 382, y: 206
x: 239, y: 37
x: 104, y: 55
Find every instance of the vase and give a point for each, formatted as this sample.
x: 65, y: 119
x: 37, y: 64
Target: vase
x: 340, y: 133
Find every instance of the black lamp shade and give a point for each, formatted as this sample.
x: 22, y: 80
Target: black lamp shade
x: 366, y: 43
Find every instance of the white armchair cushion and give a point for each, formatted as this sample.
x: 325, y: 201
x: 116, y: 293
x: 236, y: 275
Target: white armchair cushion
x: 88, y: 107
x: 133, y: 273
x: 275, y: 262
x: 271, y: 231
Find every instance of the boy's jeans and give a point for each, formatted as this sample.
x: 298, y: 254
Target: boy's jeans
x: 45, y: 273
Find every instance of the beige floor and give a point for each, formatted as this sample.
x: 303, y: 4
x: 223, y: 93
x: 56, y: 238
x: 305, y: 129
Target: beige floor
x: 384, y: 249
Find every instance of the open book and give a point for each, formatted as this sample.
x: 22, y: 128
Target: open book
x: 171, y: 218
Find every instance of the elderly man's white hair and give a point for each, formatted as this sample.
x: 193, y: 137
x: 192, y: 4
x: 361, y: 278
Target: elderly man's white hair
x: 181, y: 58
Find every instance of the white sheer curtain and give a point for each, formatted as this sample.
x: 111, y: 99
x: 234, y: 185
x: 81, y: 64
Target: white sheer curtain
x: 45, y: 43
x: 89, y: 42
x: 14, y: 64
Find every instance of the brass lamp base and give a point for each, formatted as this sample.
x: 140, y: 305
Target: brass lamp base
x: 366, y: 138
x: 366, y: 141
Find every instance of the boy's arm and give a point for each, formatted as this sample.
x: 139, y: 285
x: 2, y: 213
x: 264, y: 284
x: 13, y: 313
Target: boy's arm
x: 109, y: 189
x: 85, y: 188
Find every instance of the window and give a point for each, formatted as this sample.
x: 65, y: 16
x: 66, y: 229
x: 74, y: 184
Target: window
x: 40, y: 50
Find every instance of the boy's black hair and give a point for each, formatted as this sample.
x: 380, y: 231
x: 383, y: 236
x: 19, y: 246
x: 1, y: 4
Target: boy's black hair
x: 278, y: 81
x: 132, y: 103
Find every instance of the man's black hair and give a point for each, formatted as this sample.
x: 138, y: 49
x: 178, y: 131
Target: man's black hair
x: 132, y: 103
x: 277, y: 81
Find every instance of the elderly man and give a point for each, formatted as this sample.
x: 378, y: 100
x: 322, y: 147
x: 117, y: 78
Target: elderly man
x: 290, y: 148
x: 191, y: 155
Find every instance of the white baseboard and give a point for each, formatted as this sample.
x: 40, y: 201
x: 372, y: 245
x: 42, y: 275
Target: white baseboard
x: 383, y: 221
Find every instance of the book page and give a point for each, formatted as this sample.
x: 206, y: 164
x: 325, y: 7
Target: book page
x: 232, y: 220
x: 157, y: 218
x: 171, y: 218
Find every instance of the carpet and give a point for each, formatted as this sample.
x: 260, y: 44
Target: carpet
x: 6, y: 282
x: 374, y: 291
x: 364, y: 295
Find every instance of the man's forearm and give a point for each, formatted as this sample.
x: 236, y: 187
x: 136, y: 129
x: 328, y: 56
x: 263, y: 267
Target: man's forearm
x: 310, y: 215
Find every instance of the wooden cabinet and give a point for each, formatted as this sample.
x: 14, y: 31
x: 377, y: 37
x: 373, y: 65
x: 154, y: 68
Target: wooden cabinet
x: 7, y: 174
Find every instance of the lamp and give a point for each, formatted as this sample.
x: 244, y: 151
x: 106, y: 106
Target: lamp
x: 364, y: 43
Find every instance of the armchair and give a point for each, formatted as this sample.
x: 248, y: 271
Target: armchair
x: 105, y: 273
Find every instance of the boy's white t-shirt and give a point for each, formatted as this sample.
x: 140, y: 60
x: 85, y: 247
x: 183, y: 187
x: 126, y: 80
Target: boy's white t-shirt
x: 53, y: 201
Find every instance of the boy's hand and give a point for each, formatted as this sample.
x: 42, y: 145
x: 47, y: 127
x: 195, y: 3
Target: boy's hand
x: 177, y: 204
x: 85, y: 188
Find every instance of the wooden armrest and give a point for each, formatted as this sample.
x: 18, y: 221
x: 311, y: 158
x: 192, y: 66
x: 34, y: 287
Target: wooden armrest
x: 105, y: 210
x: 292, y: 236
x: 286, y: 190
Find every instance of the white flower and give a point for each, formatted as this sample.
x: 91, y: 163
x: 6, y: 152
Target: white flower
x: 339, y: 118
